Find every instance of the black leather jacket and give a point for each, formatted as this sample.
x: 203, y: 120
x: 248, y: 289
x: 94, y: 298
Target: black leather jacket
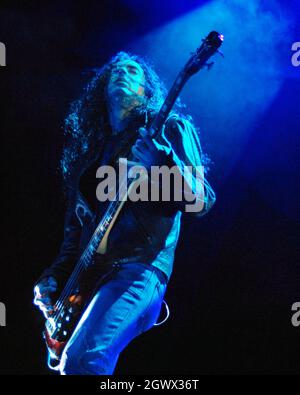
x: 142, y: 228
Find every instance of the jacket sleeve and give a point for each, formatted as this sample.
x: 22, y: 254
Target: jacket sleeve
x: 180, y: 140
x: 63, y: 265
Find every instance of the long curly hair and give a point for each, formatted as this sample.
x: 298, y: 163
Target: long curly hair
x: 87, y: 122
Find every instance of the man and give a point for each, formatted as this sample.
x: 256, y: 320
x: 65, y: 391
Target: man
x: 120, y: 100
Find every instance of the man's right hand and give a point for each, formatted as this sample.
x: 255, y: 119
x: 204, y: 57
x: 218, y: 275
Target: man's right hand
x: 42, y: 295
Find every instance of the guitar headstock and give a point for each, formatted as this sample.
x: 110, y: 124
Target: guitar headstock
x: 208, y: 48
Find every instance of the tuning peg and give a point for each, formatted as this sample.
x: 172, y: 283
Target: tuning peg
x: 209, y: 65
x: 220, y: 53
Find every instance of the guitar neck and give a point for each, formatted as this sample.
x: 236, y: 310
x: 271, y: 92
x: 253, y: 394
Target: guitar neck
x: 160, y: 118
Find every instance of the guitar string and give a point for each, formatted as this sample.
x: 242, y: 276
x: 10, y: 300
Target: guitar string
x: 90, y: 246
x: 69, y: 288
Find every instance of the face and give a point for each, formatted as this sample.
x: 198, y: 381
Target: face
x: 127, y: 79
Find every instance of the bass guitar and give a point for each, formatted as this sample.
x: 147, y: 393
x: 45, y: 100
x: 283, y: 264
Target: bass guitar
x: 75, y: 296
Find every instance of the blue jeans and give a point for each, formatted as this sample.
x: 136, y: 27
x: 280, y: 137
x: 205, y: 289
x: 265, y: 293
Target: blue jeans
x: 124, y: 307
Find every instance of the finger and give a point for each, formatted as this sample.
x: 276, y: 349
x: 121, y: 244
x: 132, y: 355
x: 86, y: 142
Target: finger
x: 149, y: 142
x: 43, y: 292
x: 47, y: 289
x: 45, y: 308
x: 44, y: 301
x: 140, y: 155
x: 48, y: 314
x: 136, y: 152
x: 140, y: 144
x: 48, y: 281
x: 147, y: 139
x: 131, y: 163
x: 144, y: 132
x: 42, y: 306
x: 52, y: 281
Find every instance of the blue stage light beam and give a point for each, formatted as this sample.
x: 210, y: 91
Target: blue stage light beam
x: 227, y: 101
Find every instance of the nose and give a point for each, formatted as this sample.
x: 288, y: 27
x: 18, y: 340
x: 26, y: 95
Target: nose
x: 121, y: 71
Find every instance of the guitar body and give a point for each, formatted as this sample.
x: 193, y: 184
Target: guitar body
x: 55, y: 349
x: 60, y: 325
x: 57, y: 332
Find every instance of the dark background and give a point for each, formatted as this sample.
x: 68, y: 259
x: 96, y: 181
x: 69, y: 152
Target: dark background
x: 237, y: 270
